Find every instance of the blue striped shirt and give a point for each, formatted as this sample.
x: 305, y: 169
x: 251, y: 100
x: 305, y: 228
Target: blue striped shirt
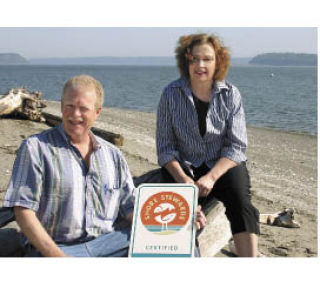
x: 178, y: 135
x: 72, y: 202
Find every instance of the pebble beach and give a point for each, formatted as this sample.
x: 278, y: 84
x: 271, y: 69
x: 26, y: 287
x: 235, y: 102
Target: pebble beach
x: 282, y: 166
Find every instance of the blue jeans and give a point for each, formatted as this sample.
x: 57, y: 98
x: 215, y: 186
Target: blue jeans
x: 113, y: 244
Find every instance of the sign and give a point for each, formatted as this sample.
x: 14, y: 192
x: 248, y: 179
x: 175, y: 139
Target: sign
x: 163, y: 221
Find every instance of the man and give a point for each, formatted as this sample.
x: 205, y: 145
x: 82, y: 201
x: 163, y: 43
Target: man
x: 68, y: 186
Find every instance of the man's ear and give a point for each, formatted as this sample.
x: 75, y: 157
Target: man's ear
x: 98, y: 111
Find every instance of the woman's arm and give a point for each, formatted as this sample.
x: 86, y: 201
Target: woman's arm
x: 235, y: 140
x: 235, y: 144
x: 206, y: 182
x: 176, y: 171
x: 165, y: 136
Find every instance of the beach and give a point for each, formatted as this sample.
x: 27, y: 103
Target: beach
x: 282, y: 167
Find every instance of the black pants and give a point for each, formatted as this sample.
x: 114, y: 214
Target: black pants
x: 233, y: 190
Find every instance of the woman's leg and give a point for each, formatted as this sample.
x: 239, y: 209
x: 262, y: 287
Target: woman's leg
x: 233, y: 189
x: 246, y: 244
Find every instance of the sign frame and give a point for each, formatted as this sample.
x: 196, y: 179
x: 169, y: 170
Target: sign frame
x: 161, y: 240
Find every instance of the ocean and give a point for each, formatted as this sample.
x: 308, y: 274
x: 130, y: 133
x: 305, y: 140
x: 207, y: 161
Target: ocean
x: 283, y: 98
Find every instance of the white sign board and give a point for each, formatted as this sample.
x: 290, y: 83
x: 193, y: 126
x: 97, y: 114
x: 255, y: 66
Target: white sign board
x: 163, y: 221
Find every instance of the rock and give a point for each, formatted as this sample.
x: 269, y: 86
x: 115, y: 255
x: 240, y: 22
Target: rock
x: 279, y: 251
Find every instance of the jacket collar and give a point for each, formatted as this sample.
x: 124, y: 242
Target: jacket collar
x: 184, y: 84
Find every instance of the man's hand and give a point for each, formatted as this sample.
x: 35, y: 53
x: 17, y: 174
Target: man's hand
x: 205, y: 185
x: 200, y: 218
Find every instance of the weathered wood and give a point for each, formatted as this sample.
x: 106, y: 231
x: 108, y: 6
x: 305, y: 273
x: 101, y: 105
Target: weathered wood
x: 23, y: 103
x: 116, y: 139
x: 113, y: 138
x: 216, y: 233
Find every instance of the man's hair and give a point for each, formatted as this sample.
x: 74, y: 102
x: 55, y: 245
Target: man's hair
x: 85, y: 81
x: 185, y: 46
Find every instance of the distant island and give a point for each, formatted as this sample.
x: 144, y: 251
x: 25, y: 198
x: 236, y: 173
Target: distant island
x: 273, y: 59
x: 12, y: 59
x: 285, y: 59
x: 106, y: 60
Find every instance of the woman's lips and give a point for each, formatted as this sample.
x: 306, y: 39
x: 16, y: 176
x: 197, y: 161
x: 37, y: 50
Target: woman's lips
x: 201, y: 73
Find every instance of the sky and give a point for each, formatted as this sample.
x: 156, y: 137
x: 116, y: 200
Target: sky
x: 46, y: 42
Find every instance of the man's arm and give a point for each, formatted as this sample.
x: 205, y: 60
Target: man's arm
x: 35, y: 233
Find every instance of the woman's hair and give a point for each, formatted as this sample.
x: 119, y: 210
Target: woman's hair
x: 87, y: 82
x: 185, y: 46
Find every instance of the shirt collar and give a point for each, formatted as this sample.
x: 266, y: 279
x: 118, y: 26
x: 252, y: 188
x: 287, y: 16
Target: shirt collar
x: 219, y: 85
x: 95, y: 142
x: 184, y: 84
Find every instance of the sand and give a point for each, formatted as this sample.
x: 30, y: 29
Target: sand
x: 282, y: 166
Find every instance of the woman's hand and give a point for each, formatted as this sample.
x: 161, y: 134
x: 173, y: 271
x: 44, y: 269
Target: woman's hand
x: 205, y: 185
x: 200, y: 218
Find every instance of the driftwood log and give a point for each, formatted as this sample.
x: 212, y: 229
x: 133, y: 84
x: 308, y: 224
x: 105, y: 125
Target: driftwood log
x: 217, y: 231
x: 23, y: 103
x: 29, y: 105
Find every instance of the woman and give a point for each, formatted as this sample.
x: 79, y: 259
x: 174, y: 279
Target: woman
x: 201, y: 135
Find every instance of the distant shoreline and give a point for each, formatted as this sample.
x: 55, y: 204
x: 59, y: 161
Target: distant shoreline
x: 148, y: 65
x: 268, y: 59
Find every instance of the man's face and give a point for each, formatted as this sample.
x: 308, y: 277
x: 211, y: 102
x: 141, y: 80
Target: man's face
x: 79, y: 112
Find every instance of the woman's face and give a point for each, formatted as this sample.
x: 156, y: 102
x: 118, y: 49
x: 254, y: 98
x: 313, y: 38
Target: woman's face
x: 202, y: 63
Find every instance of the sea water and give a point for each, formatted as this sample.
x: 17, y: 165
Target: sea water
x: 283, y: 98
